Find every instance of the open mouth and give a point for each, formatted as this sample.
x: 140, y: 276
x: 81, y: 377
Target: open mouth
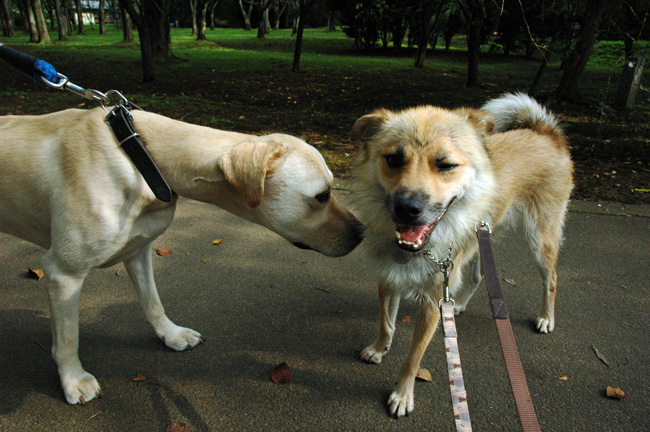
x: 414, y: 238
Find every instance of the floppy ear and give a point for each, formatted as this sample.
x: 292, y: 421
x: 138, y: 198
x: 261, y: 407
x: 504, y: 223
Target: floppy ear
x: 248, y: 163
x: 483, y: 121
x: 368, y: 125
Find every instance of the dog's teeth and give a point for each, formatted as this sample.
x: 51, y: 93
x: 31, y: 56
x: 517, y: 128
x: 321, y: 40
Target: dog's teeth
x: 398, y: 235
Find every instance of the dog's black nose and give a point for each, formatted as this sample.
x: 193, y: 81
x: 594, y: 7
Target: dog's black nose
x: 408, y: 209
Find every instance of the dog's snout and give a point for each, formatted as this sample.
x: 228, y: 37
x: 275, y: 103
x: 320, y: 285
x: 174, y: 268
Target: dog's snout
x: 408, y: 209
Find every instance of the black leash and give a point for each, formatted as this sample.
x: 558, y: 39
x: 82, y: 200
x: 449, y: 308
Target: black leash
x: 119, y: 118
x: 515, y: 370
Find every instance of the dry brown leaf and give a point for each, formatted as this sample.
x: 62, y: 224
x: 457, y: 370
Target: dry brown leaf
x: 424, y: 375
x: 615, y: 393
x: 564, y: 378
x: 216, y: 242
x: 139, y: 378
x: 282, y: 374
x: 406, y: 318
x: 35, y: 273
x: 178, y: 427
x: 164, y: 252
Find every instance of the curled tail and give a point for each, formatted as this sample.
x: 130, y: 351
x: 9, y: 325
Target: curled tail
x: 520, y: 111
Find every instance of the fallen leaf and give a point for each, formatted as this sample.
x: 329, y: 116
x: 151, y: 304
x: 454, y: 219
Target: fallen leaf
x: 615, y: 393
x: 282, y: 374
x: 164, y: 252
x: 117, y: 273
x: 36, y: 273
x: 216, y: 242
x: 564, y: 378
x: 406, y: 318
x: 424, y: 375
x: 178, y: 427
x: 510, y: 281
x: 139, y: 378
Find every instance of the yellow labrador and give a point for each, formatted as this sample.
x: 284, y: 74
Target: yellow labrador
x: 67, y: 186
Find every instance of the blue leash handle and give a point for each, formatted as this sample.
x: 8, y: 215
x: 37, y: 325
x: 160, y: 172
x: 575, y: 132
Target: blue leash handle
x: 30, y: 65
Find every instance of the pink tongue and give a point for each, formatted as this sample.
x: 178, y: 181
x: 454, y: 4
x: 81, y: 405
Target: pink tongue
x: 411, y: 234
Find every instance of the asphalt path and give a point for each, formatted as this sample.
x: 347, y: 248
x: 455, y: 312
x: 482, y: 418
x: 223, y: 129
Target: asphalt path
x: 259, y: 301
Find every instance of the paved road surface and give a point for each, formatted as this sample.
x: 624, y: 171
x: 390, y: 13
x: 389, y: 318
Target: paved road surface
x: 259, y: 301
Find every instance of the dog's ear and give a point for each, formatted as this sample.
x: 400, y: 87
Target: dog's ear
x: 248, y: 163
x: 368, y: 125
x: 483, y: 121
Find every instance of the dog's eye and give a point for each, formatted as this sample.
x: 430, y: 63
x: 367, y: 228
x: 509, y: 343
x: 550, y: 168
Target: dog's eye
x: 441, y: 165
x: 323, y: 197
x: 394, y: 160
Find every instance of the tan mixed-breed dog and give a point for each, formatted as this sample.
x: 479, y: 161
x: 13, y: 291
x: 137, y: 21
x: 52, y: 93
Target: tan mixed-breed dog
x: 66, y: 185
x: 425, y: 177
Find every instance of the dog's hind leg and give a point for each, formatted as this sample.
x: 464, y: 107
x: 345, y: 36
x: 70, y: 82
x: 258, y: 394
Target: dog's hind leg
x: 388, y: 307
x: 545, y: 244
x: 140, y: 269
x: 64, y: 294
x: 401, y: 401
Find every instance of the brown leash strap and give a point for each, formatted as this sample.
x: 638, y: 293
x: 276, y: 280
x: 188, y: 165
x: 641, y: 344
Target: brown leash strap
x: 516, y: 375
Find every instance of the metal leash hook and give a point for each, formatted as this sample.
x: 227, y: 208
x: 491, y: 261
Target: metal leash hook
x: 455, y: 372
x: 63, y: 83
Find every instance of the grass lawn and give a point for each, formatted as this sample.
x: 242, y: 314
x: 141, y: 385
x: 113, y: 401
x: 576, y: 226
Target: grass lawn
x: 237, y: 82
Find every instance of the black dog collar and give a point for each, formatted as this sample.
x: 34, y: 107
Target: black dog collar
x: 121, y: 121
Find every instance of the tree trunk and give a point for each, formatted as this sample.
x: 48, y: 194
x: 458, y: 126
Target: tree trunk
x: 41, y: 25
x: 102, y: 25
x: 31, y: 22
x: 263, y: 26
x: 193, y: 9
x: 7, y: 25
x: 201, y: 11
x: 423, y: 38
x: 246, y: 15
x: 60, y: 20
x: 81, y: 28
x: 211, y: 8
x: 331, y: 22
x: 126, y: 26
x: 300, y: 30
x: 569, y: 86
x: 474, y: 43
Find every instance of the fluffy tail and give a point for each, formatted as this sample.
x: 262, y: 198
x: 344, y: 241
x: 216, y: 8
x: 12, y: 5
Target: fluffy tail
x: 520, y: 111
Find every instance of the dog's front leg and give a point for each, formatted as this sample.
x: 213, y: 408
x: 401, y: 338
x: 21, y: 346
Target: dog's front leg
x: 140, y: 269
x: 388, y: 307
x: 64, y: 292
x: 400, y: 402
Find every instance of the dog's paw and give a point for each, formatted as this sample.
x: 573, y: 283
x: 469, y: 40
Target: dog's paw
x: 373, y: 355
x: 459, y: 308
x: 401, y: 404
x: 545, y: 325
x: 82, y: 389
x: 181, y: 338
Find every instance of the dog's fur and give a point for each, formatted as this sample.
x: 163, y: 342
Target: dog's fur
x: 67, y: 186
x: 435, y: 173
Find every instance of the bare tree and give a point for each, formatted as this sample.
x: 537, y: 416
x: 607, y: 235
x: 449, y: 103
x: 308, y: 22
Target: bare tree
x: 151, y: 17
x: 303, y: 9
x: 81, y: 29
x: 61, y: 21
x: 574, y: 65
x: 5, y: 16
x: 102, y: 24
x: 246, y: 14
